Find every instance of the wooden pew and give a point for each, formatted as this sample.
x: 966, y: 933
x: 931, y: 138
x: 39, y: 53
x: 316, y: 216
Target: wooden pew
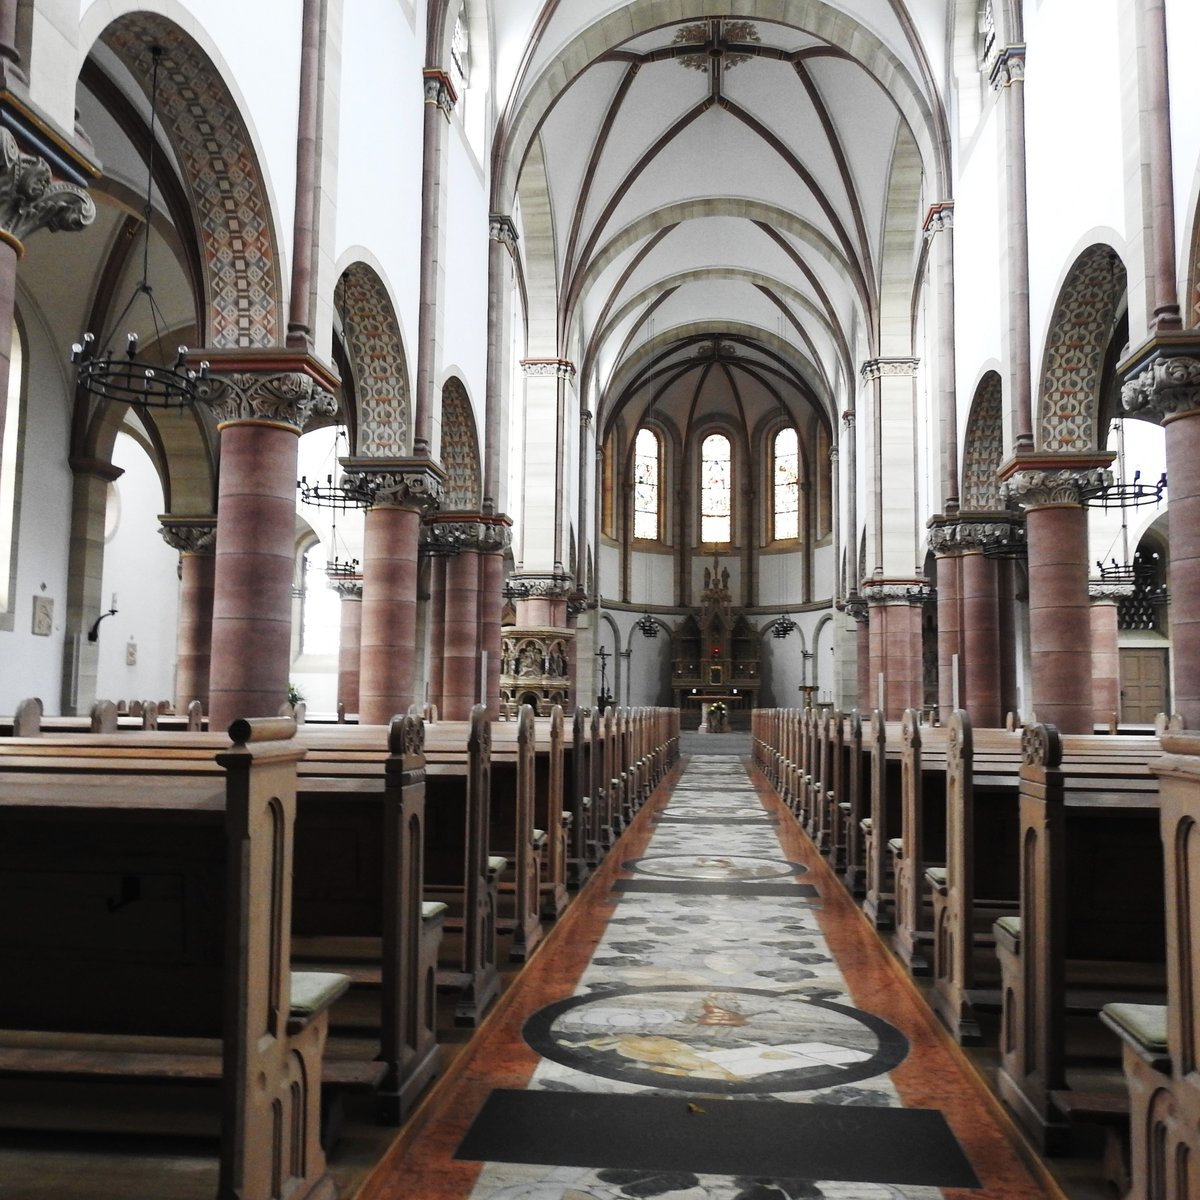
x: 1091, y: 928
x: 147, y: 921
x: 877, y: 828
x: 577, y: 799
x: 1159, y: 1042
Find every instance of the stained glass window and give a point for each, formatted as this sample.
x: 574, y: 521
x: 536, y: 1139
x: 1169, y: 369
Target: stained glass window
x: 645, y: 485
x: 715, y: 488
x: 787, y: 485
x: 460, y: 55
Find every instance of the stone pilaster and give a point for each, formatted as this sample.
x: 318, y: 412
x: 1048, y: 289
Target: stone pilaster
x: 891, y: 382
x: 262, y: 401
x: 195, y: 537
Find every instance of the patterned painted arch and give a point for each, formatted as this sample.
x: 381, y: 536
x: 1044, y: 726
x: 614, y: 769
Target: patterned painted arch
x: 1191, y: 300
x: 460, y: 450
x: 983, y: 449
x: 375, y: 348
x: 1084, y: 319
x: 220, y: 170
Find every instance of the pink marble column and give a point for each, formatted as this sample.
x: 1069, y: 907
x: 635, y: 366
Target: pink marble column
x: 982, y: 644
x: 1059, y: 620
x: 1106, y: 657
x: 389, y: 613
x: 437, y: 631
x: 896, y: 648
x: 866, y: 696
x: 461, y: 653
x: 1183, y: 472
x: 350, y: 644
x: 949, y: 623
x: 194, y: 538
x: 255, y: 563
x: 491, y: 604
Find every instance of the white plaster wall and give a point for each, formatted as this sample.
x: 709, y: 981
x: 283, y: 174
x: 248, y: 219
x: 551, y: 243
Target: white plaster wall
x: 652, y: 578
x: 1183, y: 33
x: 29, y: 665
x: 143, y: 571
x: 780, y: 578
x: 380, y: 151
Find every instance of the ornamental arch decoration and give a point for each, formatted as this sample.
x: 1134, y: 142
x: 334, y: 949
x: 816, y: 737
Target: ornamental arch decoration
x: 983, y: 447
x: 460, y: 450
x: 1089, y: 307
x: 220, y: 170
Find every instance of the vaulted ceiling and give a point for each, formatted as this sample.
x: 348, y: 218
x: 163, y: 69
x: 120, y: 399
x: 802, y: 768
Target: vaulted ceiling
x: 742, y: 189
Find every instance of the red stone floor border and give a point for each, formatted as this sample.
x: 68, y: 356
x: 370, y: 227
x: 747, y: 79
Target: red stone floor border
x: 936, y: 1074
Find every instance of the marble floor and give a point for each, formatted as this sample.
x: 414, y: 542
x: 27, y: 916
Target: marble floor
x: 712, y: 1019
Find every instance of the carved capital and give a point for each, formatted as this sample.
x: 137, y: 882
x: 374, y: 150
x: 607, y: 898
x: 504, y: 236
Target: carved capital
x: 857, y: 609
x: 415, y: 483
x: 1061, y: 485
x: 1163, y: 385
x: 439, y: 90
x: 1008, y: 67
x: 848, y: 418
x: 548, y: 368
x: 348, y: 589
x: 501, y: 229
x: 1104, y: 592
x: 967, y: 532
x: 448, y: 533
x: 897, y: 591
x: 552, y: 586
x: 289, y: 398
x: 888, y: 368
x: 30, y: 199
x: 939, y: 218
x: 189, y: 535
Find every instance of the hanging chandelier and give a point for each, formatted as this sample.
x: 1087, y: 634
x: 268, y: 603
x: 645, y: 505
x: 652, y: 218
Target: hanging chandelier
x: 783, y: 626
x: 648, y: 625
x: 110, y: 375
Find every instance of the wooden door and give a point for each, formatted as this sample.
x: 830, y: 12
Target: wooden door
x: 1143, y: 684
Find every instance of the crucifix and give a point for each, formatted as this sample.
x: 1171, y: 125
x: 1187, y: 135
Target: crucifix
x: 604, y: 699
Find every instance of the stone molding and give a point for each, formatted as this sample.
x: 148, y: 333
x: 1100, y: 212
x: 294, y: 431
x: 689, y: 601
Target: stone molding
x: 1008, y: 67
x: 888, y: 368
x: 189, y: 535
x: 501, y: 229
x: 439, y: 90
x: 848, y: 418
x: 448, y: 533
x: 1101, y: 591
x: 348, y: 589
x: 1164, y: 384
x: 552, y: 585
x: 31, y: 200
x: 1031, y: 488
x: 548, y: 368
x: 415, y: 483
x: 290, y: 398
x: 939, y: 219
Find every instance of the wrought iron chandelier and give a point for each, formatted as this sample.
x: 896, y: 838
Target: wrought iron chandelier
x: 109, y: 375
x: 338, y: 496
x: 648, y: 625
x: 783, y: 626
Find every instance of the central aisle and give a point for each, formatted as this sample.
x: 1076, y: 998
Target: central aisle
x: 712, y: 1020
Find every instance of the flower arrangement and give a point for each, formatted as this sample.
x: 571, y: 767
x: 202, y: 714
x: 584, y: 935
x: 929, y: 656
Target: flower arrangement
x: 716, y: 716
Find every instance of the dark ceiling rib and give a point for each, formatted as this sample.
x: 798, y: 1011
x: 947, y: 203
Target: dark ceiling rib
x: 690, y: 419
x: 651, y: 308
x: 862, y: 286
x: 843, y: 164
x: 743, y: 425
x: 795, y: 322
x: 585, y: 191
x: 169, y: 186
x: 835, y: 325
x: 619, y: 192
x: 602, y: 316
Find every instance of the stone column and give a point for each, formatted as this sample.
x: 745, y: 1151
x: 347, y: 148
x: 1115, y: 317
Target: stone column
x: 261, y: 401
x: 895, y: 641
x: 437, y: 623
x: 195, y: 539
x: 858, y: 609
x: 1008, y: 78
x: 1052, y: 490
x: 350, y: 643
x: 943, y: 541
x: 401, y: 491
x: 1106, y: 654
x: 491, y: 605
x: 1162, y: 382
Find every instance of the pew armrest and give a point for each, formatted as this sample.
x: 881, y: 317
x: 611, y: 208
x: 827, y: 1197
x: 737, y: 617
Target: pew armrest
x: 539, y: 839
x: 1143, y: 1028
x: 938, y: 878
x: 496, y: 865
x: 1008, y: 933
x: 432, y: 910
x: 312, y: 994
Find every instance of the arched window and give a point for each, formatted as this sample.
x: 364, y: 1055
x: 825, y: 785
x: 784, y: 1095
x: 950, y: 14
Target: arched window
x: 10, y: 441
x: 320, y: 625
x: 647, y: 467
x: 715, y: 488
x: 460, y: 55
x: 786, y: 485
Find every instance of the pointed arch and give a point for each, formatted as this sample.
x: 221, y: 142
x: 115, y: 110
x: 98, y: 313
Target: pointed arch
x: 460, y: 449
x: 983, y: 447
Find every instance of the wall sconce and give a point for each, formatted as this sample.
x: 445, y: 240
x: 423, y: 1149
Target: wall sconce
x: 94, y: 632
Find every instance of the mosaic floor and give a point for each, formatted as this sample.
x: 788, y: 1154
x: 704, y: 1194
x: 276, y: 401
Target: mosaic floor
x: 689, y: 1032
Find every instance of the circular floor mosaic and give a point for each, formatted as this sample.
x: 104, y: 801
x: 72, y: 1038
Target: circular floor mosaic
x: 718, y: 867
x: 726, y: 1041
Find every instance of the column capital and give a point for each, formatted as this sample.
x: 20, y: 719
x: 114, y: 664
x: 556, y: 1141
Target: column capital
x: 1103, y: 591
x: 1037, y: 479
x: 271, y: 386
x: 448, y: 533
x: 939, y: 218
x: 881, y: 368
x: 439, y: 90
x: 415, y: 483
x: 543, y: 368
x: 189, y: 534
x: 549, y: 585
x: 896, y: 591
x: 31, y: 200
x: 1162, y: 377
x: 856, y: 608
x: 848, y: 418
x: 348, y: 589
x: 501, y: 229
x: 964, y: 532
x: 1008, y: 67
